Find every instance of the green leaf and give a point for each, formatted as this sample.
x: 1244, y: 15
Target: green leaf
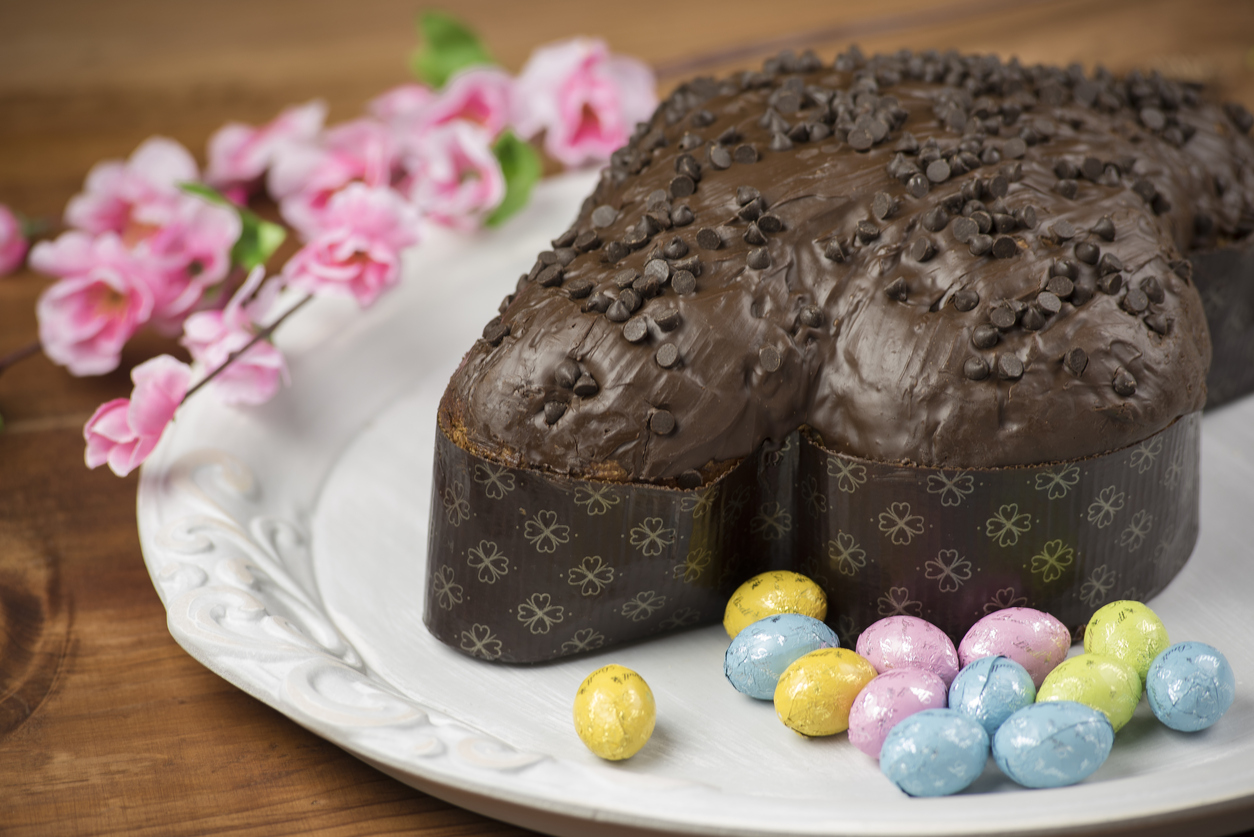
x: 258, y: 238
x: 522, y: 169
x: 447, y: 45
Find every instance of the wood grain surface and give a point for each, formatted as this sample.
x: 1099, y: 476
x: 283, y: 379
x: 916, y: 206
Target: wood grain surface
x: 107, y: 726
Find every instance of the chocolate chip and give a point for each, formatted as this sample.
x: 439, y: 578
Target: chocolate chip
x: 918, y: 185
x: 965, y: 229
x: 1075, y: 361
x: 819, y: 131
x: 980, y: 244
x: 681, y: 216
x: 750, y: 211
x: 754, y: 236
x: 709, y: 239
x: 648, y: 286
x: 759, y: 258
x: 615, y: 251
x: 769, y: 357
x: 860, y: 139
x: 745, y: 154
x: 686, y: 164
x: 729, y: 136
x: 975, y: 368
x: 667, y: 319
x: 598, y: 303
x: 567, y: 373
x: 811, y: 316
x: 747, y: 194
x: 936, y: 219
x: 1067, y: 188
x: 635, y: 329
x: 966, y: 299
x: 835, y: 251
x: 587, y: 241
x: 1084, y: 290
x: 1048, y: 301
x: 1153, y: 119
x: 604, y: 215
x: 1064, y: 267
x: 921, y: 249
x: 682, y: 186
x: 689, y: 141
x: 637, y: 236
x: 1123, y: 383
x: 938, y: 171
x: 1009, y: 367
x: 1060, y: 287
x: 667, y: 355
x: 1110, y: 283
x: 1159, y: 323
x: 1063, y: 230
x: 657, y: 199
x: 1092, y: 168
x: 780, y: 142
x: 1134, y: 301
x: 631, y: 298
x: 618, y: 312
x: 1032, y: 319
x: 495, y: 331
x: 1239, y: 116
x: 1003, y: 316
x: 676, y: 248
x: 985, y: 336
x: 565, y: 255
x: 553, y: 410
x: 626, y: 277
x: 898, y: 290
x: 684, y: 282
x: 1005, y: 248
x: 1004, y: 223
x: 568, y: 238
x: 866, y: 231
x: 1012, y: 172
x: 907, y: 144
x: 1153, y: 290
x: 883, y: 206
x: 1087, y: 252
x: 662, y: 422
x: 719, y: 157
x: 579, y: 288
x: 1066, y: 170
x: 1110, y: 263
x: 586, y: 386
x: 1160, y: 205
x: 551, y: 276
x: 1026, y: 216
x: 769, y: 223
x: 1145, y: 189
x: 692, y: 264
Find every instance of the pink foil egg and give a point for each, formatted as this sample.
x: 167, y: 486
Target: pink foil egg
x: 889, y: 699
x: 1034, y: 640
x: 909, y: 642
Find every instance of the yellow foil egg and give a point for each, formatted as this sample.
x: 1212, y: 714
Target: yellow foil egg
x: 1106, y: 684
x: 1127, y: 631
x: 614, y: 712
x: 771, y: 593
x: 815, y: 693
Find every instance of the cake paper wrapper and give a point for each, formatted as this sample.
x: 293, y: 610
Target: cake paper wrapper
x: 525, y: 566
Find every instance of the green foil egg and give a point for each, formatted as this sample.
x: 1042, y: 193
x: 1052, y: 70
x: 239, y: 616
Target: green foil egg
x: 1106, y: 684
x: 1127, y: 631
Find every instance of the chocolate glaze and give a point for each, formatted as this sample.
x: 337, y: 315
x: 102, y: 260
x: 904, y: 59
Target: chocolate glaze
x: 882, y: 374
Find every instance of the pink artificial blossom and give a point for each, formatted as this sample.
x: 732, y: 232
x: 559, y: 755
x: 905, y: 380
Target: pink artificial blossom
x: 358, y: 250
x: 212, y: 336
x: 191, y: 250
x: 13, y: 242
x: 122, y: 433
x: 305, y: 176
x: 478, y: 95
x: 130, y: 198
x: 240, y: 154
x: 401, y: 102
x: 456, y: 179
x: 586, y: 100
x: 104, y: 296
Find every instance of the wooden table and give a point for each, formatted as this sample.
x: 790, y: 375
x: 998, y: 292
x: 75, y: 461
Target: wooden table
x: 105, y: 724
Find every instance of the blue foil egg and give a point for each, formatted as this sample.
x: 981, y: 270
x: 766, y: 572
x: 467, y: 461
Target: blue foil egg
x: 1049, y: 745
x: 759, y: 654
x: 1190, y: 686
x: 935, y: 752
x: 990, y: 690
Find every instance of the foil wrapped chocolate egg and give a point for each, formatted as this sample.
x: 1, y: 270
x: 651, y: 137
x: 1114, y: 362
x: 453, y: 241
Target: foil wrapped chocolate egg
x: 759, y: 654
x: 1127, y: 631
x: 887, y: 701
x: 815, y: 693
x: 614, y: 712
x: 1190, y: 686
x: 771, y: 593
x: 990, y: 690
x: 935, y: 752
x: 1050, y: 745
x: 1106, y: 684
x: 1033, y: 639
x: 909, y: 642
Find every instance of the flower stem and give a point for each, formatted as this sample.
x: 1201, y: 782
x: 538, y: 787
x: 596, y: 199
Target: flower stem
x: 264, y: 334
x: 19, y: 354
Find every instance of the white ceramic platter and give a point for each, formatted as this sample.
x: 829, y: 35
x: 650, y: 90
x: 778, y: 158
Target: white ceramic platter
x: 288, y: 545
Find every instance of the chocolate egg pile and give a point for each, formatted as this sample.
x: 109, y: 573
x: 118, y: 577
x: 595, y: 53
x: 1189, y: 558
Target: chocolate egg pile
x: 932, y: 713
